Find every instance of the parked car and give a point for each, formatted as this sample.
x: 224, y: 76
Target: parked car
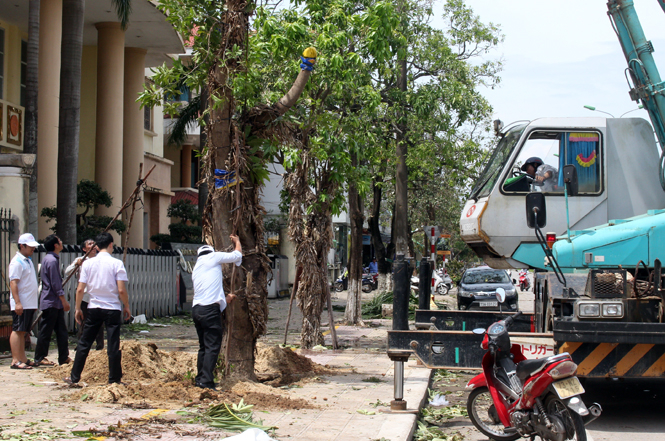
x: 477, y: 290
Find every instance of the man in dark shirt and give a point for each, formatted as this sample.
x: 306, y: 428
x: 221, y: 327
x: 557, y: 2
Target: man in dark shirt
x: 53, y: 306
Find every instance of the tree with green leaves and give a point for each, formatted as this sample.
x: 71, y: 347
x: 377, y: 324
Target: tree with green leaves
x: 235, y: 155
x: 89, y: 195
x: 445, y: 118
x: 332, y: 125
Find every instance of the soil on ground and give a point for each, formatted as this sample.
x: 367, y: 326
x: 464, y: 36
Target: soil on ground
x: 163, y: 379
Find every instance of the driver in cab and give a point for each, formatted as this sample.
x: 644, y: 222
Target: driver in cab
x: 544, y: 175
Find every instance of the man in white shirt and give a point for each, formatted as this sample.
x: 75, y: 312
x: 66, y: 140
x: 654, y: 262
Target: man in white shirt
x: 207, y: 306
x: 105, y: 278
x: 87, y: 245
x: 24, y: 298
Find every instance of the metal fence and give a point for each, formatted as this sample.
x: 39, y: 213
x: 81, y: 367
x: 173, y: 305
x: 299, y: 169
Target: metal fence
x: 153, y: 280
x: 6, y: 229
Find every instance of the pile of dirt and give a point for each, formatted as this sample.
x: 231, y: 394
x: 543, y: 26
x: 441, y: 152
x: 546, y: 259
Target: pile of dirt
x: 140, y: 363
x: 279, y: 366
x: 156, y: 378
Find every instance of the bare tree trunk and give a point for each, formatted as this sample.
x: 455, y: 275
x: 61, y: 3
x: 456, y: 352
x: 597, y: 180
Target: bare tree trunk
x: 31, y: 93
x: 353, y: 312
x: 401, y: 175
x: 377, y: 242
x: 69, y: 122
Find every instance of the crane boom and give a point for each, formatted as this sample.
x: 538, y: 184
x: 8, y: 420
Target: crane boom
x: 647, y: 86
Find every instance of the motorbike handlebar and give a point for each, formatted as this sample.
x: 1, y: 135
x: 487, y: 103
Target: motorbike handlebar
x: 509, y: 321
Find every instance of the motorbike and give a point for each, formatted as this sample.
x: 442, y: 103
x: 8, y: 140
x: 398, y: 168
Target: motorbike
x: 514, y: 397
x: 525, y: 284
x: 370, y: 282
x: 342, y: 281
x: 442, y: 283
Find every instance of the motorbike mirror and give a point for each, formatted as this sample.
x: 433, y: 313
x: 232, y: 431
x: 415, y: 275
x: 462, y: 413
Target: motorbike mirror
x: 536, y: 209
x: 501, y: 295
x: 570, y: 179
x: 478, y: 331
x: 514, y: 282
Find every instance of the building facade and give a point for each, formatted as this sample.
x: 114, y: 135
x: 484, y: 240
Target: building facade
x: 116, y: 134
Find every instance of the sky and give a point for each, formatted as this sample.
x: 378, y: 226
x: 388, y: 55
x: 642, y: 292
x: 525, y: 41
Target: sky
x: 561, y: 55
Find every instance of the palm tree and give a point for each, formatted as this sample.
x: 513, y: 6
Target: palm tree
x: 31, y: 90
x: 70, y: 99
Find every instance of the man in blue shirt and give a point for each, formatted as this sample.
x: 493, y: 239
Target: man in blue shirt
x: 53, y: 305
x: 373, y: 266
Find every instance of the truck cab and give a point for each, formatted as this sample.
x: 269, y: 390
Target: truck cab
x: 617, y: 163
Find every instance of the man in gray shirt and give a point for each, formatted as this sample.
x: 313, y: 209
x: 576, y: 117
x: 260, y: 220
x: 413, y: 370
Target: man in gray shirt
x: 53, y: 305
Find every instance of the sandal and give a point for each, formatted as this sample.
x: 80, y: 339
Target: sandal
x: 45, y: 362
x: 32, y: 363
x: 20, y: 365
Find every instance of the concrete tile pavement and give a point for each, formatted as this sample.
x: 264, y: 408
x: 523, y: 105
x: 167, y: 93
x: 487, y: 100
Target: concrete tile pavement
x: 354, y: 406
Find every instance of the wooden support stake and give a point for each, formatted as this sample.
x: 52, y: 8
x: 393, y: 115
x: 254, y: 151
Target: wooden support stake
x: 131, y: 217
x: 293, y: 295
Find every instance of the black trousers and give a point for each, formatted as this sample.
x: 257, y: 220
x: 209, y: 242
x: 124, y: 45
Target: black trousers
x: 210, y: 328
x: 100, y: 336
x: 52, y: 319
x: 96, y: 318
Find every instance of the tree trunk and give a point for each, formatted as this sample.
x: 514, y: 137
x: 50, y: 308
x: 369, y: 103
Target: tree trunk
x: 401, y: 175
x: 375, y: 231
x: 69, y: 122
x: 31, y: 93
x: 353, y: 312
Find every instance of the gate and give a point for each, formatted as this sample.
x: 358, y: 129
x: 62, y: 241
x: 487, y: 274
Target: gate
x: 6, y: 230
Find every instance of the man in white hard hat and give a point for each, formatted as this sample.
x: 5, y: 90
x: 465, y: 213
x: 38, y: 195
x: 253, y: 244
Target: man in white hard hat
x: 207, y: 306
x: 24, y: 298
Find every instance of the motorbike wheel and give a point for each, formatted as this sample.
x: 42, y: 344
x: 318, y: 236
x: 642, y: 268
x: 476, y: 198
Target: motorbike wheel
x: 572, y: 421
x: 483, y: 415
x: 442, y: 289
x: 339, y: 286
x: 367, y: 288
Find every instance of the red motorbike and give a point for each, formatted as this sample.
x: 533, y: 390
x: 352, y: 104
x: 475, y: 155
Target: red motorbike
x: 514, y: 397
x: 525, y: 284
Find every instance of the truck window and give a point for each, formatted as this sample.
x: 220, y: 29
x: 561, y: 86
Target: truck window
x: 539, y: 165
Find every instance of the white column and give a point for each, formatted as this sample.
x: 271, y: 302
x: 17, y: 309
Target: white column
x: 132, y: 152
x: 109, y: 137
x: 48, y: 102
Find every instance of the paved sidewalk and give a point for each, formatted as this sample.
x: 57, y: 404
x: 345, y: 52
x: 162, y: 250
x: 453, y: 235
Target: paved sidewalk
x: 354, y: 406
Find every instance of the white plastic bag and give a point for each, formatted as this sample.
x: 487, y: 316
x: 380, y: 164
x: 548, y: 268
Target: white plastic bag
x: 253, y: 434
x: 439, y: 400
x: 140, y: 319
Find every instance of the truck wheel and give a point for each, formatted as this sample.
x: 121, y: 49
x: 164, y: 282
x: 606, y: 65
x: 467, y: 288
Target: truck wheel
x: 483, y: 415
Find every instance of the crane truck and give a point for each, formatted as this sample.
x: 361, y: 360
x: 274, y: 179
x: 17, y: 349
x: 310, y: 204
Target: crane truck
x: 599, y: 289
x: 598, y: 285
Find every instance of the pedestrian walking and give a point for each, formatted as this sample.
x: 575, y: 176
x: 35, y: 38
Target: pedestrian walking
x: 53, y: 305
x: 106, y: 278
x: 207, y: 306
x: 24, y: 298
x: 87, y: 245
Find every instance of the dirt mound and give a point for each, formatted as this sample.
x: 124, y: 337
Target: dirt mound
x: 140, y: 363
x: 156, y: 378
x: 279, y: 366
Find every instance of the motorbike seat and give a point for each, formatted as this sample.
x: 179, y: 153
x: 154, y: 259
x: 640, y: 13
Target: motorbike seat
x: 527, y: 368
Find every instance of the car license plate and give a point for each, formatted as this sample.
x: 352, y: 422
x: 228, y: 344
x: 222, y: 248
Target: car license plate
x: 487, y: 304
x: 568, y: 387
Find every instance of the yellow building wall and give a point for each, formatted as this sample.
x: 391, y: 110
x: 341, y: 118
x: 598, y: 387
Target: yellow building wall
x: 88, y: 126
x: 12, y: 87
